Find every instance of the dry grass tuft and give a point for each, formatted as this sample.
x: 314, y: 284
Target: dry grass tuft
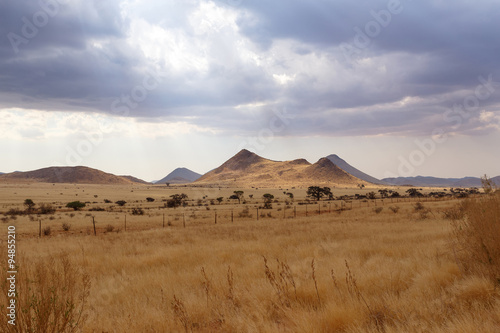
x: 51, y: 296
x: 477, y: 237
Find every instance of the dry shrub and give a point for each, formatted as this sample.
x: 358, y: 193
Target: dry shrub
x: 46, y: 209
x: 51, y: 296
x: 46, y: 231
x: 245, y: 213
x: 454, y: 213
x: 378, y: 210
x: 137, y: 211
x: 394, y: 209
x: 477, y: 237
x: 419, y: 206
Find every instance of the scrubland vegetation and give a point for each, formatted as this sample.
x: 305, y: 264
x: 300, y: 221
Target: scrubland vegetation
x: 400, y: 266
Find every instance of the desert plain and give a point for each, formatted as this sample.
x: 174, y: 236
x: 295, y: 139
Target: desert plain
x: 382, y: 265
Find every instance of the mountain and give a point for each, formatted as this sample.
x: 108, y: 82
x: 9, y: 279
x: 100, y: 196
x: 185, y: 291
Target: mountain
x: 179, y: 176
x: 135, y: 180
x: 73, y: 175
x: 353, y: 171
x: 439, y: 182
x: 249, y: 169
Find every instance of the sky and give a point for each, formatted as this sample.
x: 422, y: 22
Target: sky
x: 395, y: 88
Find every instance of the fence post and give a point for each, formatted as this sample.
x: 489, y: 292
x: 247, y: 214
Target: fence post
x: 215, y: 217
x: 319, y: 208
x: 93, y: 222
x: 40, y: 228
x: 183, y: 220
x: 232, y: 216
x: 257, y: 214
x: 294, y: 212
x: 163, y: 220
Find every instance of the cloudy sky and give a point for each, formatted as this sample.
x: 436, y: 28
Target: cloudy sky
x: 396, y: 88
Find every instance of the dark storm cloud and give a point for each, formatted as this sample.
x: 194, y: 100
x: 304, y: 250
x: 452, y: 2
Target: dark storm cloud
x: 80, y: 59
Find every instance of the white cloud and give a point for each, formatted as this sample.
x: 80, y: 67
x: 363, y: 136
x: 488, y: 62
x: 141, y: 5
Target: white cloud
x: 17, y: 124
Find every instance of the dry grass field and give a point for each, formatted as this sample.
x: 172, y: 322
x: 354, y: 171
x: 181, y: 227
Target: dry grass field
x: 394, y: 267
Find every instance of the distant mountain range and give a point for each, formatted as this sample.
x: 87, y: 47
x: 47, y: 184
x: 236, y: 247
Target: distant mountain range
x: 249, y: 169
x: 353, y: 171
x: 439, y: 182
x: 179, y: 176
x: 74, y: 175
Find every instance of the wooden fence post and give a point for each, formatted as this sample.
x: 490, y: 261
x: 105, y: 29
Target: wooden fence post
x: 40, y: 228
x: 93, y: 222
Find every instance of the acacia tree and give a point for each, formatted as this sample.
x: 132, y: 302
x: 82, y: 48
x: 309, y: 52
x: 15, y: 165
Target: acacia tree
x: 384, y: 193
x: 177, y: 200
x: 238, y: 195
x: 29, y: 205
x: 268, y: 200
x: 318, y: 192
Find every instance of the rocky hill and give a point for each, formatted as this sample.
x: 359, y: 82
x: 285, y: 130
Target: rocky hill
x: 249, y: 169
x: 73, y: 175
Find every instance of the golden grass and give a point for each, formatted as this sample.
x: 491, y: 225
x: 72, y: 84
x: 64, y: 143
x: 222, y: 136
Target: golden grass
x: 477, y: 230
x: 357, y: 271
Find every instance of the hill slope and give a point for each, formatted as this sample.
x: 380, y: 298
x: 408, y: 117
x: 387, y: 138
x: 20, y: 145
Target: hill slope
x: 352, y: 170
x: 74, y: 175
x: 179, y: 176
x: 249, y: 169
x: 135, y: 180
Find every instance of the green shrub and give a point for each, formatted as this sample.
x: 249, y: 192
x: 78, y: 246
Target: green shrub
x: 76, y: 205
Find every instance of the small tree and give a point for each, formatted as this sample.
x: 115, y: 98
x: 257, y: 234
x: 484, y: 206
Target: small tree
x: 318, y: 192
x: 413, y: 192
x: 76, y: 205
x: 149, y: 199
x: 121, y: 203
x: 268, y: 200
x: 29, y: 205
x: 371, y: 195
x: 384, y: 193
x: 237, y: 196
x: 219, y: 199
x: 177, y: 200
